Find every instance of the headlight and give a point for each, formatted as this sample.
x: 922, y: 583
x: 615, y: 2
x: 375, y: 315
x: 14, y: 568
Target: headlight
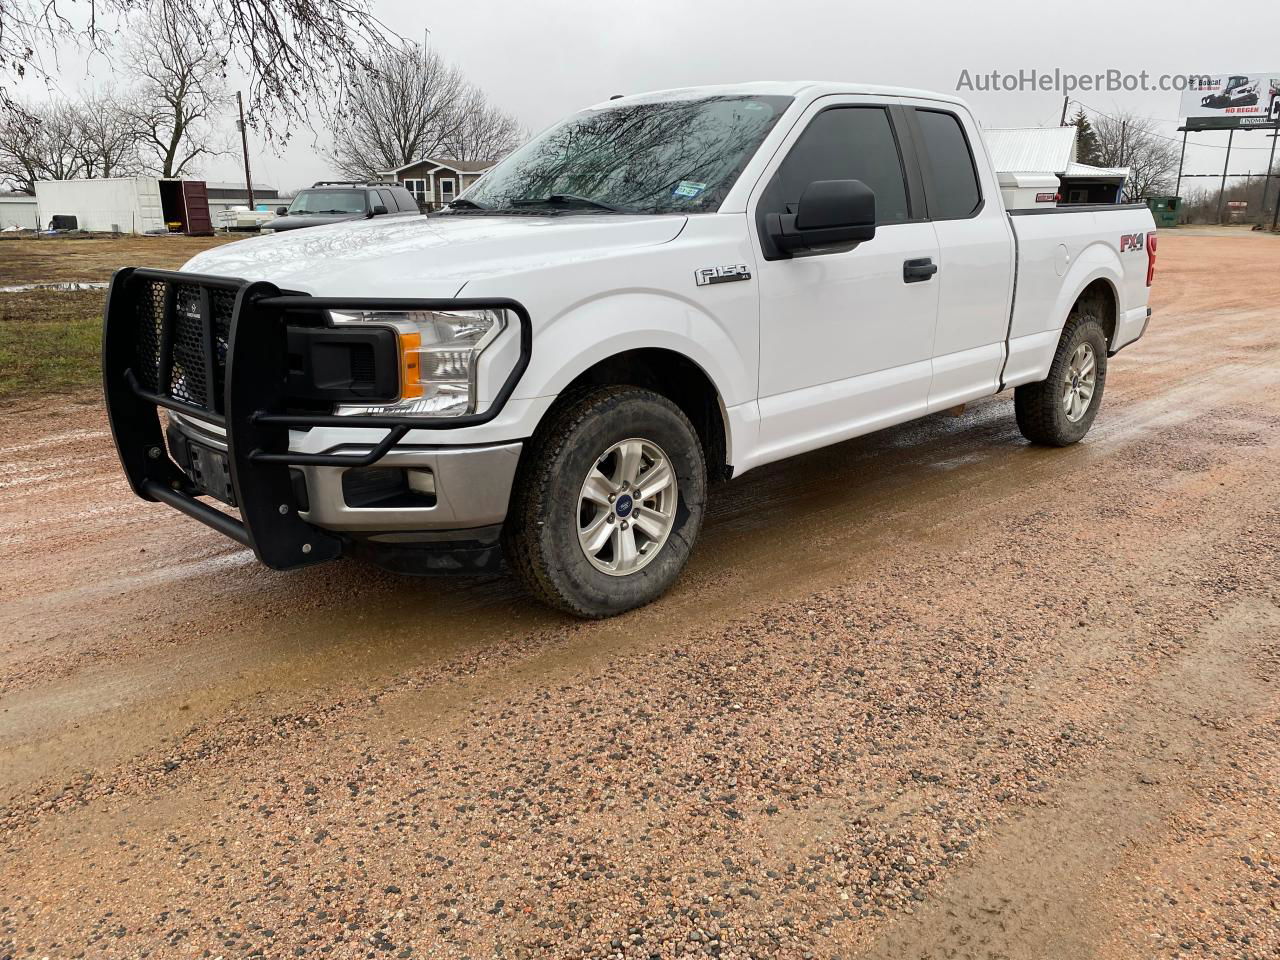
x: 439, y: 354
x: 266, y: 230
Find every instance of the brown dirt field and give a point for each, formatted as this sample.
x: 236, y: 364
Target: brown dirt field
x: 93, y: 258
x: 929, y: 693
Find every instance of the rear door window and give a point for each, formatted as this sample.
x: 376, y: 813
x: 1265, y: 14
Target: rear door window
x: 951, y: 176
x: 405, y: 200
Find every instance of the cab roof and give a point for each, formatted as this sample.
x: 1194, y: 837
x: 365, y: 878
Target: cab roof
x: 800, y: 89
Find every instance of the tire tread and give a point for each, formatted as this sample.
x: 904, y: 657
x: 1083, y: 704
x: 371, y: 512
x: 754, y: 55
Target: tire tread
x: 1037, y: 406
x: 532, y: 491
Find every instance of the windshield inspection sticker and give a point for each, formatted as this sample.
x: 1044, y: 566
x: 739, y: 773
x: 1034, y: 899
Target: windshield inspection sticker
x: 687, y: 188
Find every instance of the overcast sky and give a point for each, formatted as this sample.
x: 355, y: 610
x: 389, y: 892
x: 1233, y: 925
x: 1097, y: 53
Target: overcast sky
x: 541, y: 60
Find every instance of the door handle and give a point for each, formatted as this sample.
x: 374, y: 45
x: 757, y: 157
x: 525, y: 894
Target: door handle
x: 914, y: 271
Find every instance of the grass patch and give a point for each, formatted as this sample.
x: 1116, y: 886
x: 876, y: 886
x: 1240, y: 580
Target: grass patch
x: 50, y: 342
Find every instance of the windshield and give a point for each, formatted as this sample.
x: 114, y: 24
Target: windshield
x: 676, y: 156
x: 328, y: 201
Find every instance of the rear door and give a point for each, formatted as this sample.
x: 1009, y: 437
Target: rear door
x: 845, y: 340
x: 975, y: 254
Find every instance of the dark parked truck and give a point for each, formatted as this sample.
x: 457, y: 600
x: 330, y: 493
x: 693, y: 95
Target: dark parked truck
x: 333, y: 202
x: 663, y: 291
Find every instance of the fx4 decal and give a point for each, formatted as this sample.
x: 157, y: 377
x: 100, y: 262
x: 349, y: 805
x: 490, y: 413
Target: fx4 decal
x: 737, y: 271
x: 1133, y: 241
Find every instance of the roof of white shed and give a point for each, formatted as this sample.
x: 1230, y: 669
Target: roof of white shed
x: 1032, y: 149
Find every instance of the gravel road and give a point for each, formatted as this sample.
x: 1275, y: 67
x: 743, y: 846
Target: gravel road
x: 931, y: 693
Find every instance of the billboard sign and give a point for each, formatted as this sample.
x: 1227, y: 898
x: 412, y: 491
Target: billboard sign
x: 1232, y: 100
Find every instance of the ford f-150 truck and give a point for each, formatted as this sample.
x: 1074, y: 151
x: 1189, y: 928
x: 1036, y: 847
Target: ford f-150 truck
x: 660, y: 292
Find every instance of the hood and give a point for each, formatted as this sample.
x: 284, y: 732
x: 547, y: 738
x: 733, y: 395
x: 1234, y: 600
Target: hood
x: 427, y: 256
x: 311, y: 220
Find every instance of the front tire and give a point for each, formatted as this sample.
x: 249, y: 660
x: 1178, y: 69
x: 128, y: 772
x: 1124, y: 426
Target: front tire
x: 608, y: 503
x: 1059, y: 410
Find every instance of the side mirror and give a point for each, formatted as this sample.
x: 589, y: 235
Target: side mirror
x: 379, y: 210
x: 282, y: 211
x: 831, y: 213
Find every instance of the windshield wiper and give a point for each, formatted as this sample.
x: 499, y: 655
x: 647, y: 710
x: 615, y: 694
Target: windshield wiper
x: 567, y: 199
x: 462, y: 203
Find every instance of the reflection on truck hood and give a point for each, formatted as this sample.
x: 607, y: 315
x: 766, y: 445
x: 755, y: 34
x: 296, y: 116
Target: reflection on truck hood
x: 427, y: 256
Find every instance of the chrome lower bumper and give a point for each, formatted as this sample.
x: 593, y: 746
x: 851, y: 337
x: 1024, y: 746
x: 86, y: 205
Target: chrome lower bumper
x: 471, y: 486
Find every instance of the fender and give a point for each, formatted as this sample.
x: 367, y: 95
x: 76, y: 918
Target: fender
x: 593, y: 330
x: 1098, y: 261
x: 597, y: 329
x: 1037, y: 330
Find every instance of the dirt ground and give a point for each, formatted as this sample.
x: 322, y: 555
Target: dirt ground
x: 931, y: 693
x: 93, y: 258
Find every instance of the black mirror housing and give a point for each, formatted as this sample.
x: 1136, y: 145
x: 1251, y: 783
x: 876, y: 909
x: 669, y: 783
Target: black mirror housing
x: 831, y: 213
x: 282, y: 211
x: 379, y: 210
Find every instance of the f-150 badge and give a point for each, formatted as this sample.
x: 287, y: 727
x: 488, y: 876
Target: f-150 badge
x: 737, y: 271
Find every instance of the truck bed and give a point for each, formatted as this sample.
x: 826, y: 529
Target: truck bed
x: 1060, y: 251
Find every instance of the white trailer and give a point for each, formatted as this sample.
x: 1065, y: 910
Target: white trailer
x: 118, y: 204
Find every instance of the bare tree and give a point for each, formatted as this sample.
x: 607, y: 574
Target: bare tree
x: 106, y: 136
x: 39, y: 142
x: 415, y: 104
x: 182, y: 89
x: 293, y: 51
x: 484, y: 132
x: 1128, y: 140
x: 404, y: 109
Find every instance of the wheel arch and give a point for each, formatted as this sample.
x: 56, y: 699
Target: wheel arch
x: 1096, y: 277
x: 673, y: 375
x: 1099, y: 297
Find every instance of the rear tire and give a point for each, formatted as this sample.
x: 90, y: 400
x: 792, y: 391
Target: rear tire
x: 572, y: 546
x: 1059, y: 410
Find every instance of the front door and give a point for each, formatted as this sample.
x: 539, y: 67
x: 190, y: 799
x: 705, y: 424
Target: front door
x: 447, y: 191
x: 845, y: 338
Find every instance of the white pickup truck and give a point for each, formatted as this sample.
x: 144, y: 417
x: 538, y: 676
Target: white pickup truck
x: 660, y: 292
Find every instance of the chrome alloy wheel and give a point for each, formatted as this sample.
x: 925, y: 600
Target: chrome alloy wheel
x: 627, y: 507
x: 1081, y: 381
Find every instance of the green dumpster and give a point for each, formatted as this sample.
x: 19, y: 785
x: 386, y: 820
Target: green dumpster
x: 1165, y: 209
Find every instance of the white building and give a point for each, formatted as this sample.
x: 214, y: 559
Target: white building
x: 1052, y: 150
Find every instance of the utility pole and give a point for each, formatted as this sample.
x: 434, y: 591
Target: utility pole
x: 1065, y: 102
x: 244, y: 146
x: 1124, y: 126
x: 1222, y: 191
x: 1266, y: 180
x: 1182, y: 158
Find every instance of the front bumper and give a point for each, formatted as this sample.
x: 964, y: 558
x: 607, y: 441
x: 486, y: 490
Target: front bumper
x: 216, y: 354
x: 463, y: 488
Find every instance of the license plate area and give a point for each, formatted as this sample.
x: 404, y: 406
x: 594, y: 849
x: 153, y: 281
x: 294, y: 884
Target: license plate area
x: 210, y: 472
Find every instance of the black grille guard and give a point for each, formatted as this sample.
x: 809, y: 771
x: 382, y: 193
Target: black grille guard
x: 220, y: 357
